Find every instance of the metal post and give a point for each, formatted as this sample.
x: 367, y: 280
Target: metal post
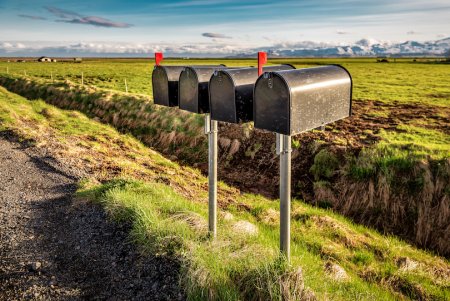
x: 82, y: 78
x: 284, y: 142
x: 211, y: 130
x: 126, y: 86
x: 51, y: 75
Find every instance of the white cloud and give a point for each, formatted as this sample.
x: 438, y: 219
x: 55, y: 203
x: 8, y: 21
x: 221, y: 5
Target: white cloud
x: 217, y: 48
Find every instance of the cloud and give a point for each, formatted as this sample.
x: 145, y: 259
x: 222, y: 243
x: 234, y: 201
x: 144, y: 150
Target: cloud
x: 218, y: 48
x: 97, y: 21
x: 342, y: 32
x: 76, y: 18
x: 118, y: 49
x: 62, y: 13
x: 32, y: 17
x: 215, y: 35
x: 411, y: 32
x: 441, y: 35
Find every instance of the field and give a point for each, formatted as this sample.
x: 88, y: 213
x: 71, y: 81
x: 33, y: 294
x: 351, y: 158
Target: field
x: 386, y: 167
x: 404, y: 80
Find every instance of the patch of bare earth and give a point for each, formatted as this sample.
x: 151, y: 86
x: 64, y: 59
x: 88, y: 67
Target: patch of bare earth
x: 55, y: 247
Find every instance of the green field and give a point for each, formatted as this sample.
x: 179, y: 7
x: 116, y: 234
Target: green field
x: 403, y: 80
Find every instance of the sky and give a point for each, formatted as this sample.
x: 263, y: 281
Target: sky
x: 213, y: 27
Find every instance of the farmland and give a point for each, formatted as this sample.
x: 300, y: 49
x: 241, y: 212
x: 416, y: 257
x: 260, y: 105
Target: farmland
x: 386, y: 167
x: 405, y: 80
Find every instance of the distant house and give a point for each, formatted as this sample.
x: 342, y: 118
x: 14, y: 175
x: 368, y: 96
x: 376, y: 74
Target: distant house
x: 44, y: 59
x: 77, y: 60
x: 382, y: 59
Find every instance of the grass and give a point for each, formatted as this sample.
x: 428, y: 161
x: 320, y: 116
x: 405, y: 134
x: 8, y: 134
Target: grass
x: 166, y: 205
x: 398, y: 151
x: 403, y: 80
x: 417, y: 142
x: 237, y: 266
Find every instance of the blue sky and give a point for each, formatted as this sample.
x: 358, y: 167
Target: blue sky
x: 214, y: 26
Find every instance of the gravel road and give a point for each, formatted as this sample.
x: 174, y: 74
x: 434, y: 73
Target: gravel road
x: 53, y: 247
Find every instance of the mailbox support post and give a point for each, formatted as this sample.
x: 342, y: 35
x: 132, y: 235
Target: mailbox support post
x: 211, y: 131
x: 284, y: 149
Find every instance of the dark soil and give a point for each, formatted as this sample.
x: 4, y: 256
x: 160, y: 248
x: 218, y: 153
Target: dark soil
x: 345, y: 137
x: 56, y: 247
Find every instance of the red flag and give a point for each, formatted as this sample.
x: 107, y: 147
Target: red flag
x: 158, y: 58
x: 262, y: 59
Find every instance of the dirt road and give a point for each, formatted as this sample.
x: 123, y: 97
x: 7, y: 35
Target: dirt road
x: 53, y: 247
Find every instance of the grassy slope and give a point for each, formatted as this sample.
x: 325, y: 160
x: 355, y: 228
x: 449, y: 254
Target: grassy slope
x: 168, y: 213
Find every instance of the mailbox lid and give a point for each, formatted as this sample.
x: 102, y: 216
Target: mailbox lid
x: 231, y: 93
x: 193, y: 88
x: 313, y: 97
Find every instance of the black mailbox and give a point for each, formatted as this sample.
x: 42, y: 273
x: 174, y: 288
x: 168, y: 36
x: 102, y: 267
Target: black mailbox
x: 294, y: 101
x: 194, y: 88
x: 231, y: 93
x: 165, y: 84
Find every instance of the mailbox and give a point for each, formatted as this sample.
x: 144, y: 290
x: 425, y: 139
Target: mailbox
x: 294, y: 101
x: 165, y: 84
x: 231, y: 93
x: 194, y: 88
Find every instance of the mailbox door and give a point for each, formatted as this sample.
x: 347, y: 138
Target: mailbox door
x: 272, y: 106
x: 222, y: 96
x: 160, y: 84
x: 188, y: 91
x: 165, y: 85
